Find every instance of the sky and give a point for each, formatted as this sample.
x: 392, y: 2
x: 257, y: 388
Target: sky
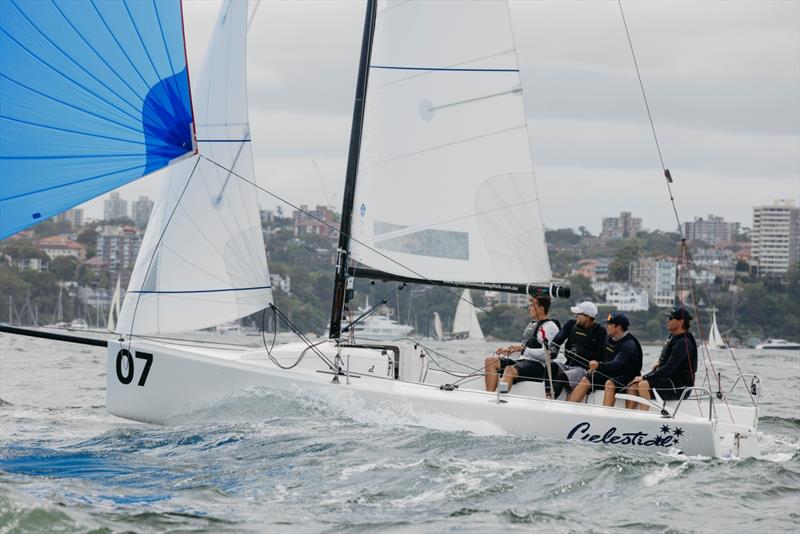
x: 722, y: 80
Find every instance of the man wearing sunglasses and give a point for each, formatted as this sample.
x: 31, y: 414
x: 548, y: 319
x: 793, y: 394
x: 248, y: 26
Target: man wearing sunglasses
x: 676, y: 365
x: 623, y: 363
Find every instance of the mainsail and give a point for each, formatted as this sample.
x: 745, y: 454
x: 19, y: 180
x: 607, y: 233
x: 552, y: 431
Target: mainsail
x: 94, y: 95
x: 202, y: 261
x: 445, y: 187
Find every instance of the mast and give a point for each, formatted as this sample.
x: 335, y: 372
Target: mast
x: 343, y: 255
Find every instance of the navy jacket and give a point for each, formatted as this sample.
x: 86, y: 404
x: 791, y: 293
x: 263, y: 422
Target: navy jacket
x: 678, y: 361
x: 626, y: 362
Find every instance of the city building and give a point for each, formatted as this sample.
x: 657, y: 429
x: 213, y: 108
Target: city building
x: 140, y: 211
x: 56, y: 246
x: 622, y: 296
x: 74, y: 217
x: 623, y: 226
x: 282, y: 282
x: 713, y: 230
x: 118, y: 246
x: 595, y: 269
x: 499, y: 298
x: 719, y: 265
x: 320, y: 221
x: 774, y: 237
x: 657, y: 276
x: 115, y: 207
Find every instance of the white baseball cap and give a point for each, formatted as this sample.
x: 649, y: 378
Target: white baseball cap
x: 586, y: 308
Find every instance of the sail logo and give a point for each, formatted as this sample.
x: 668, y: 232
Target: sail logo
x: 666, y: 438
x: 363, y: 210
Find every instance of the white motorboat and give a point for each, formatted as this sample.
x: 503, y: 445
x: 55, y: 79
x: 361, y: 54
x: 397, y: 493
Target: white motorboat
x: 778, y: 344
x: 380, y: 327
x: 445, y: 117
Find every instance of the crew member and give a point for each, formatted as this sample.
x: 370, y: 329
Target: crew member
x: 624, y: 362
x: 676, y: 365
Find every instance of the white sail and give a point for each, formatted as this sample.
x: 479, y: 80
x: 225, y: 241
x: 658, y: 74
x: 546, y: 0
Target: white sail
x: 113, y: 308
x: 438, y: 328
x: 202, y: 261
x: 715, y: 340
x: 465, y: 321
x: 445, y: 186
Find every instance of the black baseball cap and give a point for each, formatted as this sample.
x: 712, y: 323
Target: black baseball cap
x: 619, y: 319
x: 680, y: 313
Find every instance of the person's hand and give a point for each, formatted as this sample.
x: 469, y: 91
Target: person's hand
x: 635, y: 381
x: 593, y: 365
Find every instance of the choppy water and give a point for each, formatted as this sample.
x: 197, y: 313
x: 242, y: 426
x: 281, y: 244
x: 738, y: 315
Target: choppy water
x: 292, y: 463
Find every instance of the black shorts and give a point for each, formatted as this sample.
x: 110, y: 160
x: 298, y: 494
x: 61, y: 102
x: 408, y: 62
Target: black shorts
x: 666, y: 388
x: 529, y: 370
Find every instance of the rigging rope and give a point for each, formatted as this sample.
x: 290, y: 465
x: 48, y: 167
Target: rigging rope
x: 685, y: 259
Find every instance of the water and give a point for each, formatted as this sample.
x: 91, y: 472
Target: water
x: 292, y: 463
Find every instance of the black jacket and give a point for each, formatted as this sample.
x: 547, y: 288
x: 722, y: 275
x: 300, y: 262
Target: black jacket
x: 678, y: 361
x: 581, y: 345
x: 626, y: 362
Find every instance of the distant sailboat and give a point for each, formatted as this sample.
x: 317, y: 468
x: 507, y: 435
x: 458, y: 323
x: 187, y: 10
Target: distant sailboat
x: 465, y: 322
x: 438, y: 328
x: 715, y: 340
x: 113, y: 308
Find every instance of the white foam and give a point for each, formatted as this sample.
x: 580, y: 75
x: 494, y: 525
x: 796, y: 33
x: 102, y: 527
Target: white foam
x: 665, y: 473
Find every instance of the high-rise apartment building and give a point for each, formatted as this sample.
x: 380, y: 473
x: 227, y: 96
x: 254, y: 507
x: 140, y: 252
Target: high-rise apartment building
x: 713, y: 230
x: 118, y: 246
x: 140, y: 211
x: 657, y: 276
x: 775, y: 237
x: 74, y: 217
x: 115, y: 207
x: 623, y: 226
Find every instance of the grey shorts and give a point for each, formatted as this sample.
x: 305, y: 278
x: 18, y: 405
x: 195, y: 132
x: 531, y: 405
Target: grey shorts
x: 574, y: 374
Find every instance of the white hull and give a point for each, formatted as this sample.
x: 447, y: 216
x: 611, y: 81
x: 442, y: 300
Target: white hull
x: 778, y: 344
x: 185, y: 378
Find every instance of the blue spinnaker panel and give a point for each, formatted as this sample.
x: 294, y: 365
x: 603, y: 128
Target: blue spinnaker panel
x: 94, y: 95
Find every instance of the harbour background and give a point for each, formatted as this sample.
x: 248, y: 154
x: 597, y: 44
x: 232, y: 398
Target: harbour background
x: 301, y: 462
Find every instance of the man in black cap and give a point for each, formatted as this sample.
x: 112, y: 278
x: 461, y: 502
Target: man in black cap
x: 623, y: 363
x: 676, y: 365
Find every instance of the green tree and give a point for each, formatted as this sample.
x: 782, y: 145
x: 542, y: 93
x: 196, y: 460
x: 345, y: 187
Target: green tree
x: 65, y: 268
x: 619, y: 267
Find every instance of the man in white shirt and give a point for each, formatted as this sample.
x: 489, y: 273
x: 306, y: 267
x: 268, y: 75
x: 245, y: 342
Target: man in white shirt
x: 527, y: 364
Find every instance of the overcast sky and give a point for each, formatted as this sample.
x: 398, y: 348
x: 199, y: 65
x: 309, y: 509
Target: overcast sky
x: 722, y: 79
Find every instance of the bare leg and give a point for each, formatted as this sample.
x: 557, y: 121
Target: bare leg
x: 491, y: 371
x: 644, y: 392
x: 633, y: 389
x: 580, y: 391
x: 509, y: 374
x: 610, y: 397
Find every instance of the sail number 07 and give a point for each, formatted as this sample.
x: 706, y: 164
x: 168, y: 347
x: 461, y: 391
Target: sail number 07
x: 125, y: 366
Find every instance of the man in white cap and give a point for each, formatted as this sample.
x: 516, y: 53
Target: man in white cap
x: 583, y: 340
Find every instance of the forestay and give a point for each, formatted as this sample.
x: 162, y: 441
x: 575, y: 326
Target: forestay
x: 445, y: 186
x: 202, y: 260
x: 94, y: 95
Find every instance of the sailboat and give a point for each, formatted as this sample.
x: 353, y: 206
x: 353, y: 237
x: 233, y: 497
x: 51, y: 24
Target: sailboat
x: 465, y: 321
x: 445, y: 116
x: 715, y: 340
x: 113, y: 308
